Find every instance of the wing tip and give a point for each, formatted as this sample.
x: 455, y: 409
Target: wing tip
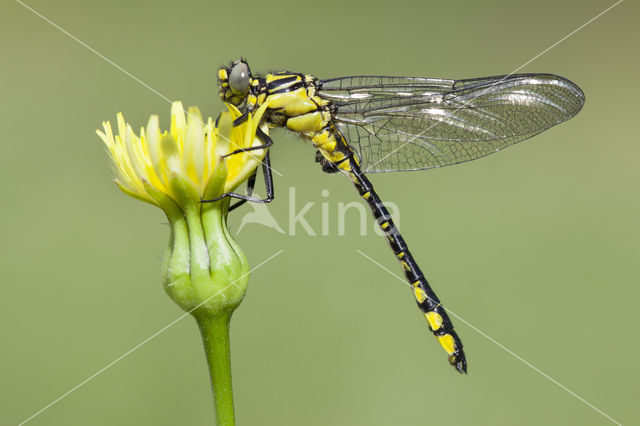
x: 567, y: 84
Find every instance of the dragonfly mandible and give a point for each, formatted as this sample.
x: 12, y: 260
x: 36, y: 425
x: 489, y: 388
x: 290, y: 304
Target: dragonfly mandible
x: 366, y: 124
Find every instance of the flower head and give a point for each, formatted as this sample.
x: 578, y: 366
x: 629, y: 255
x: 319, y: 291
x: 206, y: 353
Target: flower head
x: 192, y: 150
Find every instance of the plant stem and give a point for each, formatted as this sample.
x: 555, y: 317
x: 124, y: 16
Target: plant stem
x: 215, y: 337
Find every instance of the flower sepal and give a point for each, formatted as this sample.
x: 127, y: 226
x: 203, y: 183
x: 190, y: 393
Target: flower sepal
x: 204, y: 271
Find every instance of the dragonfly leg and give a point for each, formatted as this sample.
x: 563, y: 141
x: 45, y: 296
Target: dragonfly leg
x: 251, y: 183
x: 268, y: 179
x: 238, y: 121
x: 327, y: 166
x: 266, y: 140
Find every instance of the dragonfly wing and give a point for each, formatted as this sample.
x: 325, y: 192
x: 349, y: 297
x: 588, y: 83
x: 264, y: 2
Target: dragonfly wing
x: 405, y: 123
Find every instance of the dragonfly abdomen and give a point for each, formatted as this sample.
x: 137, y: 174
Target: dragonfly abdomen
x: 430, y: 305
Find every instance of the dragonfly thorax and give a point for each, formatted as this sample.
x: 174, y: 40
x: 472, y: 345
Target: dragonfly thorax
x: 292, y: 102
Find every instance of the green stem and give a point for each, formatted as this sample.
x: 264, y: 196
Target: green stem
x: 215, y: 337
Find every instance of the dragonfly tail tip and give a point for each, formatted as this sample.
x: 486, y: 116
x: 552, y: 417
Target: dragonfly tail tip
x: 459, y: 361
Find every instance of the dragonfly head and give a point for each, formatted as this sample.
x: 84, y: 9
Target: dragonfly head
x: 234, y: 82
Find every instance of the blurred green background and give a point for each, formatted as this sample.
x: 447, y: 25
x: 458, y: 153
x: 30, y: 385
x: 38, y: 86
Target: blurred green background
x: 537, y: 246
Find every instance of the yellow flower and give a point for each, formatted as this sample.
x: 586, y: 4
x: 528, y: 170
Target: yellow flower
x: 204, y: 271
x: 192, y: 150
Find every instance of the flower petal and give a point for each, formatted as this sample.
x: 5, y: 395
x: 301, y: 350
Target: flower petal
x: 178, y: 123
x: 193, y: 157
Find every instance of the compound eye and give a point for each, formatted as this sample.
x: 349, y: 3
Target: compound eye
x: 239, y: 78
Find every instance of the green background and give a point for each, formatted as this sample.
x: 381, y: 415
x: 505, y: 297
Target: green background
x: 537, y: 246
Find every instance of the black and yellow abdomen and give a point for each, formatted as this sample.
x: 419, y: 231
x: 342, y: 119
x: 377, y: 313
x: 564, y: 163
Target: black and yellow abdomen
x: 428, y: 302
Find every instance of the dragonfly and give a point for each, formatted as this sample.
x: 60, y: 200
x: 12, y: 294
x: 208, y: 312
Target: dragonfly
x: 367, y: 124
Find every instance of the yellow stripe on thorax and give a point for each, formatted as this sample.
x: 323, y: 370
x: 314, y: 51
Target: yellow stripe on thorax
x: 292, y: 103
x: 275, y: 77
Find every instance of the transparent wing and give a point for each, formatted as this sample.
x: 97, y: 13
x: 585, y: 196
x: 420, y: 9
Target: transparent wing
x: 411, y: 123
